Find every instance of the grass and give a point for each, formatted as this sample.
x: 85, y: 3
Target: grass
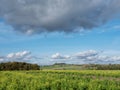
x: 60, y: 80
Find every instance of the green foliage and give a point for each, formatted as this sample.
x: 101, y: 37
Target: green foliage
x: 60, y: 80
x: 18, y: 66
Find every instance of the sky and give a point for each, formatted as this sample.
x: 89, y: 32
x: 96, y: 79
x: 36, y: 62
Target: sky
x: 60, y: 31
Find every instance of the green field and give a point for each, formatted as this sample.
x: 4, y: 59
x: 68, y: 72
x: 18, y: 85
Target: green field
x: 60, y: 80
x: 63, y: 66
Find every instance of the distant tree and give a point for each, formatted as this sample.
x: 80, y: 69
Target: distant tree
x: 18, y: 66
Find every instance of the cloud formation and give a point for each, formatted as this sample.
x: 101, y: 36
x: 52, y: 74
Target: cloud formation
x: 86, y: 57
x: 58, y: 56
x: 37, y: 16
x: 90, y: 54
x: 83, y: 57
x: 19, y: 56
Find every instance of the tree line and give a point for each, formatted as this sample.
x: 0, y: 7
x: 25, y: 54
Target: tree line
x: 18, y: 66
x: 102, y: 66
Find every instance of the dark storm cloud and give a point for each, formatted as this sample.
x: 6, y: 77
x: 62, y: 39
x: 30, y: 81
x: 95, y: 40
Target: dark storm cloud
x: 37, y: 16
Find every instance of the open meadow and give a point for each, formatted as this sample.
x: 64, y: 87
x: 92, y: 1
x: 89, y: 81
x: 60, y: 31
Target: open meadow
x: 60, y: 80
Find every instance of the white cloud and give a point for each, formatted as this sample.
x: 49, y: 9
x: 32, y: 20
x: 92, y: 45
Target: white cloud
x: 18, y: 55
x: 84, y: 57
x: 58, y: 56
x: 23, y: 56
x: 115, y: 58
x: 92, y: 56
x: 86, y: 54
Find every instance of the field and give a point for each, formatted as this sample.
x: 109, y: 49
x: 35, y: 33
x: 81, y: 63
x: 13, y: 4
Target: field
x: 60, y: 80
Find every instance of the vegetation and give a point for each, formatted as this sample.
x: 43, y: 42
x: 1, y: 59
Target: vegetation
x: 73, y: 77
x: 57, y: 66
x: 63, y: 66
x: 18, y: 66
x: 60, y: 80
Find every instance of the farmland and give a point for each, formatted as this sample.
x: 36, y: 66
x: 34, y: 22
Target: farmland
x: 60, y: 80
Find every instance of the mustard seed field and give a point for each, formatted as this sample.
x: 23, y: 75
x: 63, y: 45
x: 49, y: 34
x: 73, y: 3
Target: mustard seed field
x: 60, y: 80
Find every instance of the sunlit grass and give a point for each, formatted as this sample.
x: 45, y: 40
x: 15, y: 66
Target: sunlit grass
x: 60, y: 80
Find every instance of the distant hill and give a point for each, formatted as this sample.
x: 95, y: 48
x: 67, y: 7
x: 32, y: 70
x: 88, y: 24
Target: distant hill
x: 64, y: 66
x: 18, y: 66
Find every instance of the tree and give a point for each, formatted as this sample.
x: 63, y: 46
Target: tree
x: 18, y: 66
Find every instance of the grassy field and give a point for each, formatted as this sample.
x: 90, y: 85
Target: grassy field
x: 62, y: 67
x: 66, y: 67
x: 60, y: 80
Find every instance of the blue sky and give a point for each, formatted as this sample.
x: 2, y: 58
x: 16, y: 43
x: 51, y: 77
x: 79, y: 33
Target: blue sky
x: 97, y: 36
x: 103, y: 38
